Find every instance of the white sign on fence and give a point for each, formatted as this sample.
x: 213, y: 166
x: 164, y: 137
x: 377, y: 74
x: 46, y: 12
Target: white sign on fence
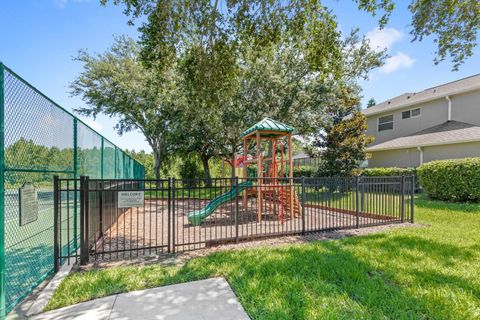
x: 128, y: 199
x: 28, y: 200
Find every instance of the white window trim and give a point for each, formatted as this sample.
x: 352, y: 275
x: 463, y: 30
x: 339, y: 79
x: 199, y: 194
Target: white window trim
x: 410, y: 112
x: 393, y: 122
x: 419, y: 115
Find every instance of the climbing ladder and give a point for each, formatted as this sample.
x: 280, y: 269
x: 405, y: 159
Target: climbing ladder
x: 284, y: 196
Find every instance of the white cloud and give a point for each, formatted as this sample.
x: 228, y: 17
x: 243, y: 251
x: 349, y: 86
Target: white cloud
x: 95, y: 125
x: 381, y: 39
x: 397, y: 62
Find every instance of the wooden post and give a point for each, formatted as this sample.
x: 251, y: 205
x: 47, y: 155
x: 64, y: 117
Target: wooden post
x: 290, y: 174
x: 260, y: 176
x: 282, y: 160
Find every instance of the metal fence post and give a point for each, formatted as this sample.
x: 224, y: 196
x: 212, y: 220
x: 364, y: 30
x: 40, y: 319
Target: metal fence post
x: 362, y: 198
x: 412, y: 200
x: 236, y: 209
x: 357, y: 202
x: 402, y: 198
x: 2, y: 192
x: 173, y: 214
x: 56, y: 227
x: 75, y: 183
x: 82, y: 217
x: 169, y: 213
x: 99, y: 191
x: 303, y: 205
x: 84, y: 220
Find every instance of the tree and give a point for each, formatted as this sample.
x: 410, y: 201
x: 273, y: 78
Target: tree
x: 343, y: 140
x: 246, y: 61
x: 371, y: 103
x: 207, y: 84
x: 280, y: 82
x: 146, y: 159
x: 117, y: 84
x: 454, y: 25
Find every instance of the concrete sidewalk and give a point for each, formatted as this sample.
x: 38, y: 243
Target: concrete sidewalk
x: 205, y: 299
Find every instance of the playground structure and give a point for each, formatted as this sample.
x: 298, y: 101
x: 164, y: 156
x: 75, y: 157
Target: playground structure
x: 265, y: 145
x: 268, y: 140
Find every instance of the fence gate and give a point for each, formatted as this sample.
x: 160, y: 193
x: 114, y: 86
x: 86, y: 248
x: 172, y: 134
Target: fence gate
x: 118, y: 219
x: 122, y: 219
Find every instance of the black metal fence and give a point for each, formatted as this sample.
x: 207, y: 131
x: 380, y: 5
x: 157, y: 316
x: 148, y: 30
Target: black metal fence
x: 129, y: 218
x: 306, y: 162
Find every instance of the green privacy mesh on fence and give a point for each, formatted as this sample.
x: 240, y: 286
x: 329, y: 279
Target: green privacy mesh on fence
x: 39, y: 139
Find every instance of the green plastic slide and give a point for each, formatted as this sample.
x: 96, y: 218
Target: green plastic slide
x: 197, y: 217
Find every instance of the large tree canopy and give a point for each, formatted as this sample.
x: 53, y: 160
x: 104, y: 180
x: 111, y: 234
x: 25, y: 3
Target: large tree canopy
x: 205, y: 69
x: 117, y: 84
x: 239, y: 61
x: 453, y: 24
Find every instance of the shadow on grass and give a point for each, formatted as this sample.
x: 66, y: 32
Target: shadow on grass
x: 422, y: 201
x: 405, y: 245
x: 326, y: 279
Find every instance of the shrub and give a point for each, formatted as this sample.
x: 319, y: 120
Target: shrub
x: 386, y: 172
x: 190, y: 171
x: 451, y: 180
x: 305, y: 171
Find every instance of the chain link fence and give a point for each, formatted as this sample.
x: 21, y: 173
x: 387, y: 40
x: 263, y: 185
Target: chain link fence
x: 40, y: 139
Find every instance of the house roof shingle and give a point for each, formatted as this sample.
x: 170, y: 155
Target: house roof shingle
x: 449, y: 132
x: 412, y: 98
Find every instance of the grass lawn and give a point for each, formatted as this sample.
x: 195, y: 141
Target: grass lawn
x: 430, y: 272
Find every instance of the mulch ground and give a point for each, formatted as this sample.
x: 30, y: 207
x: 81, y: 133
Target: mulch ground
x: 144, y: 231
x: 147, y: 229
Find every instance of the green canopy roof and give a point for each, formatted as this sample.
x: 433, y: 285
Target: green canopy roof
x: 268, y: 124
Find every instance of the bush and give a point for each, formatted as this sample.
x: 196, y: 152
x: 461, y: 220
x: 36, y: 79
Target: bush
x: 385, y: 172
x: 305, y: 171
x: 190, y: 171
x: 451, y: 180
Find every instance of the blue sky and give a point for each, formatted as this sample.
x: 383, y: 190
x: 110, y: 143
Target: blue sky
x: 39, y: 38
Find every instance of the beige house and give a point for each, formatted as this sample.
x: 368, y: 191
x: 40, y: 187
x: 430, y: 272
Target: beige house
x: 442, y: 122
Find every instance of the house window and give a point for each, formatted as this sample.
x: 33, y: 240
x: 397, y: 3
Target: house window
x: 416, y: 112
x: 412, y: 113
x: 385, y: 123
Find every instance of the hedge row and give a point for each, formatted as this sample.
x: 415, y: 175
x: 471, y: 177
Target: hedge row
x: 386, y: 172
x: 367, y: 172
x: 451, y: 180
x: 305, y: 171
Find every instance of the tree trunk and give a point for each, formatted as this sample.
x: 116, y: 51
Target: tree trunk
x: 206, y: 170
x: 158, y: 162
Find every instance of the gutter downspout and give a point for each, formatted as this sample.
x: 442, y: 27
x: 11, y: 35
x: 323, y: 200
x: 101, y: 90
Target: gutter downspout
x: 420, y: 149
x: 449, y: 108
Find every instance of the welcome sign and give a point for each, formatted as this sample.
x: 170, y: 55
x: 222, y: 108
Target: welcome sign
x: 128, y: 199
